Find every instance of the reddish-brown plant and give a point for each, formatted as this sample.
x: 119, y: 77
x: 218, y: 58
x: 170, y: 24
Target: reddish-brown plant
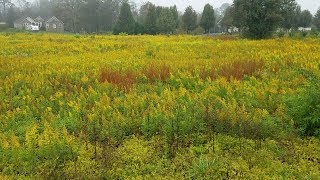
x: 156, y: 72
x: 206, y: 73
x: 121, y: 79
x: 239, y: 69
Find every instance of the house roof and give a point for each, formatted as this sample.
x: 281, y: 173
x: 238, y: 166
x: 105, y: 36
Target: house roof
x: 30, y: 19
x: 52, y: 19
x: 39, y: 19
x: 23, y: 19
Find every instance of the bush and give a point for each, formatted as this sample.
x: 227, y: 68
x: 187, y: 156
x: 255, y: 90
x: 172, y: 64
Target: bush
x: 281, y: 34
x: 304, y: 108
x: 78, y: 36
x: 292, y: 34
x: 314, y: 33
x: 303, y: 34
x: 198, y: 31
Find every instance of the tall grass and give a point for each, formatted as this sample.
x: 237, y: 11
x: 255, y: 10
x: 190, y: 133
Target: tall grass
x: 157, y: 72
x: 121, y: 79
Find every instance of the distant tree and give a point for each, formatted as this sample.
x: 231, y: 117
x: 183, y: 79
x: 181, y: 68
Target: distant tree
x: 240, y: 14
x: 166, y: 22
x: 5, y: 4
x: 12, y: 15
x: 289, y: 11
x: 125, y: 22
x: 208, y: 18
x: 296, y: 17
x: 25, y: 8
x: 150, y: 23
x: 316, y: 20
x: 175, y: 15
x: 69, y: 12
x: 143, y: 11
x: 227, y: 20
x: 222, y: 9
x: 258, y: 19
x: 189, y: 19
x: 45, y: 8
x: 158, y: 10
x: 305, y: 19
x: 139, y: 28
x: 108, y: 13
x: 91, y: 15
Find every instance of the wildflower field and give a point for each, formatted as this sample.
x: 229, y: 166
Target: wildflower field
x: 158, y: 107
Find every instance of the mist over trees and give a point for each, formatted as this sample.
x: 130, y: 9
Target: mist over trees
x: 254, y: 19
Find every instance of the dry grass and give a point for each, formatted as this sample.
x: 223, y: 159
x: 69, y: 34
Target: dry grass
x: 211, y: 73
x: 155, y: 72
x: 239, y: 69
x: 120, y: 79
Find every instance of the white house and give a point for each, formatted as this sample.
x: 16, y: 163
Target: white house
x: 53, y: 24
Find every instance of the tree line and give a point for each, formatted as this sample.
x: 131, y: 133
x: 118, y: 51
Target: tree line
x: 254, y: 19
x: 259, y: 19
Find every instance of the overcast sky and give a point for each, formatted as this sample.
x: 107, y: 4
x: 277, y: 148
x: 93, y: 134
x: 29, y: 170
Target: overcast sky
x: 198, y: 5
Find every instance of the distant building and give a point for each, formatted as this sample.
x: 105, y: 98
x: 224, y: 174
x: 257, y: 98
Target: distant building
x: 40, y: 21
x: 233, y: 29
x: 53, y: 24
x: 227, y: 29
x: 304, y: 29
x: 24, y: 23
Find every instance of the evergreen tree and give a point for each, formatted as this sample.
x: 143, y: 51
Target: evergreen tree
x: 151, y: 20
x: 208, y: 18
x: 189, y: 19
x: 143, y: 11
x: 175, y: 15
x: 125, y: 22
x: 166, y: 22
x: 139, y: 28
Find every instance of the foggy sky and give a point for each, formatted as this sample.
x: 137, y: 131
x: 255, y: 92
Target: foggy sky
x: 198, y: 5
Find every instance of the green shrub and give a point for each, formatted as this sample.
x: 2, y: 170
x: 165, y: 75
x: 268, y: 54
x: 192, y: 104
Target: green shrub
x: 314, y: 33
x: 292, y: 34
x: 304, y: 107
x: 281, y: 34
x: 304, y: 34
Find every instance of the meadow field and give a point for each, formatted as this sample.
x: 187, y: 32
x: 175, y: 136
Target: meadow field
x: 158, y: 107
